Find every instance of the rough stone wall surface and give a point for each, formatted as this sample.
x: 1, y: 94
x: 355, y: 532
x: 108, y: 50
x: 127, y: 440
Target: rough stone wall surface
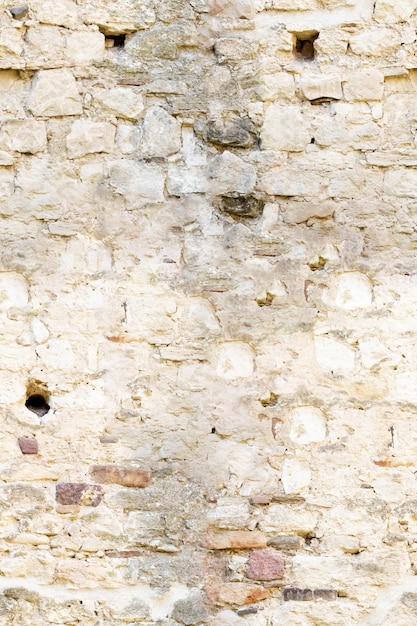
x: 208, y: 292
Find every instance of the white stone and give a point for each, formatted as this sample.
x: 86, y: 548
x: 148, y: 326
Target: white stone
x: 308, y: 425
x: 89, y: 137
x: 57, y: 12
x: 394, y: 11
x: 124, y: 102
x: 366, y: 84
x: 84, y: 47
x: 333, y: 355
x: 230, y: 174
x: 353, y: 291
x: 121, y: 17
x: 274, y: 86
x: 295, y: 475
x: 137, y: 182
x: 284, y: 128
x: 373, y: 351
x: 227, y: 618
x: 54, y: 93
x: 288, y: 181
x: 161, y: 133
x: 406, y: 386
x: 184, y: 179
x: 127, y: 138
x: 27, y: 136
x: 233, y: 8
x: 39, y: 331
x: 316, y: 86
x: 13, y: 291
x: 401, y: 183
x: 235, y: 360
x: 375, y: 42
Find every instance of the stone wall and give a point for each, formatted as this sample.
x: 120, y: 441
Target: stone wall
x: 208, y: 285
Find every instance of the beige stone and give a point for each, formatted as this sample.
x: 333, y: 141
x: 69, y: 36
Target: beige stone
x: 284, y: 128
x: 27, y: 136
x: 54, y: 93
x: 89, y: 137
x: 124, y: 102
x: 391, y: 12
x: 315, y: 86
x: 367, y: 84
x: 161, y: 133
x: 137, y: 182
x: 84, y: 47
x: 230, y: 174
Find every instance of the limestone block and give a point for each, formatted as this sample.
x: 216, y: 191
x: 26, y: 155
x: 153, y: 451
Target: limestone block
x: 57, y: 12
x: 27, y: 136
x: 367, y: 84
x: 230, y: 49
x: 316, y: 86
x: 392, y: 12
x: 406, y: 386
x: 184, y: 179
x: 13, y: 387
x: 333, y: 355
x: 233, y: 8
x: 84, y: 47
x: 229, y: 514
x: 197, y: 321
x: 124, y: 102
x: 127, y: 138
x: 13, y: 291
x: 376, y: 42
x: 401, y: 183
x: 54, y: 93
x: 308, y: 425
x: 128, y: 476
x: 276, y: 86
x: 351, y: 291
x: 295, y: 475
x: 89, y: 137
x: 137, y: 182
x: 230, y: 174
x: 228, y: 618
x: 161, y: 133
x: 45, y: 44
x: 373, y: 352
x: 235, y: 593
x: 288, y: 181
x: 284, y: 128
x: 234, y: 540
x: 11, y: 43
x: 235, y: 360
x: 117, y: 18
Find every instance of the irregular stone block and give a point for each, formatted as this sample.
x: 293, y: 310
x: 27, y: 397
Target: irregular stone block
x: 364, y: 85
x: 13, y: 291
x: 392, y: 12
x: 84, y: 47
x: 235, y: 360
x: 54, y: 93
x: 316, y: 87
x: 78, y: 493
x: 401, y: 183
x: 88, y: 137
x: 375, y: 42
x: 265, y: 565
x: 241, y: 206
x: 353, y: 291
x: 235, y: 593
x: 333, y: 355
x: 28, y: 446
x: 128, y: 476
x: 284, y: 542
x: 27, y: 136
x: 123, y: 102
x: 234, y: 540
x: 230, y: 174
x: 244, y: 9
x: 288, y: 181
x: 308, y: 425
x: 161, y: 133
x: 121, y: 17
x: 138, y: 182
x: 190, y: 610
x: 57, y: 12
x: 237, y: 132
x: 295, y: 475
x: 183, y: 179
x: 297, y: 595
x: 284, y: 128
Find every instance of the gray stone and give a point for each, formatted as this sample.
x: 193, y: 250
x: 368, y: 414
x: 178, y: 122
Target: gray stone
x: 190, y: 611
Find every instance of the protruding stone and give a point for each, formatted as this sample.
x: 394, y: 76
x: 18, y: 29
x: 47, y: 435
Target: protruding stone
x: 28, y: 446
x: 190, y: 611
x: 230, y: 174
x: 128, y: 476
x: 265, y: 565
x: 284, y: 542
x: 238, y: 132
x: 321, y: 87
x: 78, y: 493
x: 238, y: 205
x: 295, y: 475
x: 364, y: 85
x: 161, y: 133
x: 88, y: 137
x: 236, y: 593
x: 54, y: 94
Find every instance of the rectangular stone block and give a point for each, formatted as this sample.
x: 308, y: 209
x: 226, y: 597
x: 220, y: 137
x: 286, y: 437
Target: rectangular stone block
x: 78, y: 493
x: 28, y: 446
x: 284, y: 542
x: 236, y: 593
x: 234, y: 540
x: 121, y: 475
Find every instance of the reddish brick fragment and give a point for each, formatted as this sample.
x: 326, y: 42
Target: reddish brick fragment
x: 235, y: 593
x: 260, y: 499
x: 78, y: 493
x: 28, y: 446
x: 265, y: 565
x: 127, y: 476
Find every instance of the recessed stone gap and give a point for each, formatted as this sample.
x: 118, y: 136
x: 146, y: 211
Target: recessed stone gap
x: 304, y: 45
x: 115, y: 41
x: 38, y: 404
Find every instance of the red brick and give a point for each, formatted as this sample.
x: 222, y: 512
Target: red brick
x: 265, y: 565
x: 235, y: 593
x: 234, y: 540
x: 78, y: 493
x: 127, y: 476
x: 28, y: 446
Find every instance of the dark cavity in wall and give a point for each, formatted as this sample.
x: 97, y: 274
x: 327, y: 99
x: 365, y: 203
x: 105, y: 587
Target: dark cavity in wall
x: 37, y: 398
x: 304, y: 45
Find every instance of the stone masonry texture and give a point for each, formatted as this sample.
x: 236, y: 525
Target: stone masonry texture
x: 208, y: 297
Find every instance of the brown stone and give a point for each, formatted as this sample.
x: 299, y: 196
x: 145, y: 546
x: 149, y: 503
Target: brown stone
x: 236, y: 593
x: 68, y: 509
x: 127, y: 476
x: 28, y: 446
x: 123, y: 554
x: 79, y: 493
x: 265, y: 565
x: 234, y: 540
x: 297, y: 595
x: 283, y: 542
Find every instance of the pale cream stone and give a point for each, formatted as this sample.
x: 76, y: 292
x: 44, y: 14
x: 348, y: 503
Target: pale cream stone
x: 124, y: 102
x: 233, y: 8
x: 45, y: 44
x: 13, y: 291
x: 230, y: 174
x: 284, y: 128
x: 392, y: 12
x: 13, y: 387
x: 406, y: 386
x: 353, y: 291
x: 227, y: 618
x: 137, y: 182
x: 295, y: 475
x: 184, y: 179
x: 288, y: 181
x: 276, y: 86
x: 89, y: 137
x: 121, y: 17
x: 57, y: 12
x: 161, y: 133
x: 373, y: 352
x: 28, y: 136
x: 54, y: 93
x: 367, y: 84
x: 235, y: 360
x: 39, y: 331
x: 84, y: 47
x: 375, y: 42
x: 333, y: 355
x: 127, y: 138
x: 229, y: 513
x: 316, y: 86
x: 308, y: 425
x: 401, y: 182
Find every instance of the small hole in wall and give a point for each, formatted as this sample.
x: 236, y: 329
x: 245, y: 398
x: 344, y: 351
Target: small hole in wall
x: 115, y: 41
x: 304, y: 45
x: 213, y: 431
x: 38, y: 404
